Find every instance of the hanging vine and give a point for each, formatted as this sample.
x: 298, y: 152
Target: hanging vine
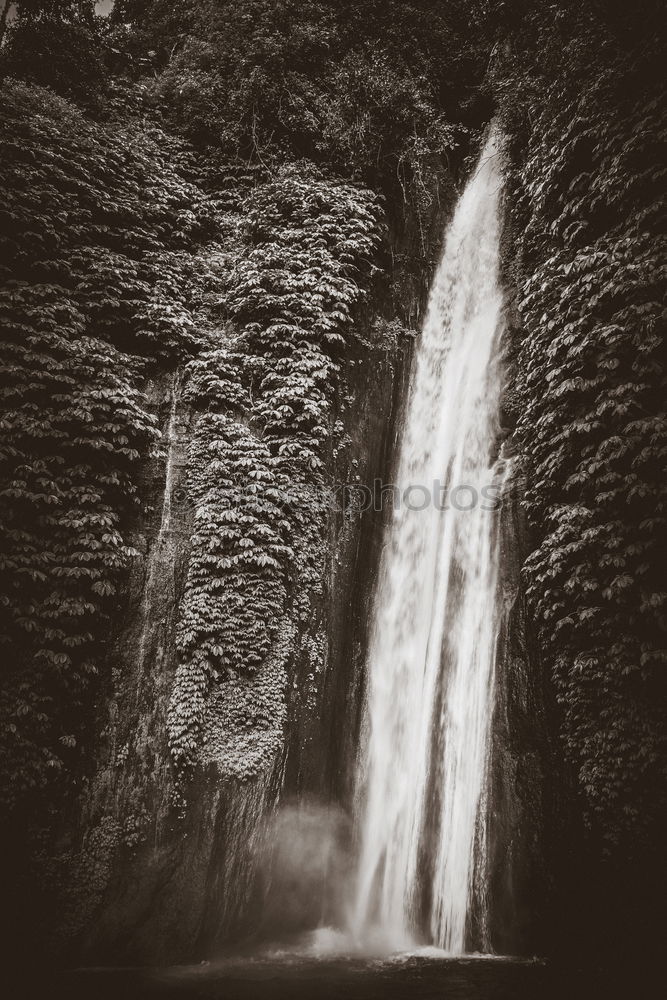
x: 267, y: 401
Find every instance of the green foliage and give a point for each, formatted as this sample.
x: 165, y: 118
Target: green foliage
x: 589, y: 255
x: 357, y: 88
x: 99, y: 237
x: 243, y: 728
x: 267, y: 399
x: 57, y: 44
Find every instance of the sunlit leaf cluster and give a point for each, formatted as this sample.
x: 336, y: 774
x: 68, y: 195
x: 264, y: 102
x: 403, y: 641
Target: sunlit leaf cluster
x: 266, y: 394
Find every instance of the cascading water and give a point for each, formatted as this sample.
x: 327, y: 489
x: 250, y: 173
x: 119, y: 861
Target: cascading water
x: 429, y: 701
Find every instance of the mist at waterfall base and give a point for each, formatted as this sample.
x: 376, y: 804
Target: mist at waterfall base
x: 306, y: 867
x: 304, y: 949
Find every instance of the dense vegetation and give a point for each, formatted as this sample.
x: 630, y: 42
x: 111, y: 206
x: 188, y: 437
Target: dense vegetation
x: 100, y: 235
x: 303, y: 262
x: 212, y: 187
x: 584, y: 131
x: 202, y: 187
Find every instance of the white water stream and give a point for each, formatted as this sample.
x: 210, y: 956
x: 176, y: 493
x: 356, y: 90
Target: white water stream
x: 429, y: 702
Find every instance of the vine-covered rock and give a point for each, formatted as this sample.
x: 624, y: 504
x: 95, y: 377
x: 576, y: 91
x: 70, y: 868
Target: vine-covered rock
x: 266, y: 393
x: 100, y: 237
x: 588, y: 224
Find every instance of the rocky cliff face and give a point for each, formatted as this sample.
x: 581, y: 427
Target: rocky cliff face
x: 156, y: 882
x: 162, y: 868
x: 532, y: 820
x: 158, y: 870
x: 526, y: 818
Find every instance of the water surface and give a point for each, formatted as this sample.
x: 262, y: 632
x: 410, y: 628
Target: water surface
x: 281, y: 976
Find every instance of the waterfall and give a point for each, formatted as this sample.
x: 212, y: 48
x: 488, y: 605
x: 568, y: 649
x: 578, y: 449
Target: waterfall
x: 429, y: 701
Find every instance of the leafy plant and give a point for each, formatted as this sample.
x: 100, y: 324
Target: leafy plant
x: 587, y: 221
x: 266, y: 396
x: 101, y: 270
